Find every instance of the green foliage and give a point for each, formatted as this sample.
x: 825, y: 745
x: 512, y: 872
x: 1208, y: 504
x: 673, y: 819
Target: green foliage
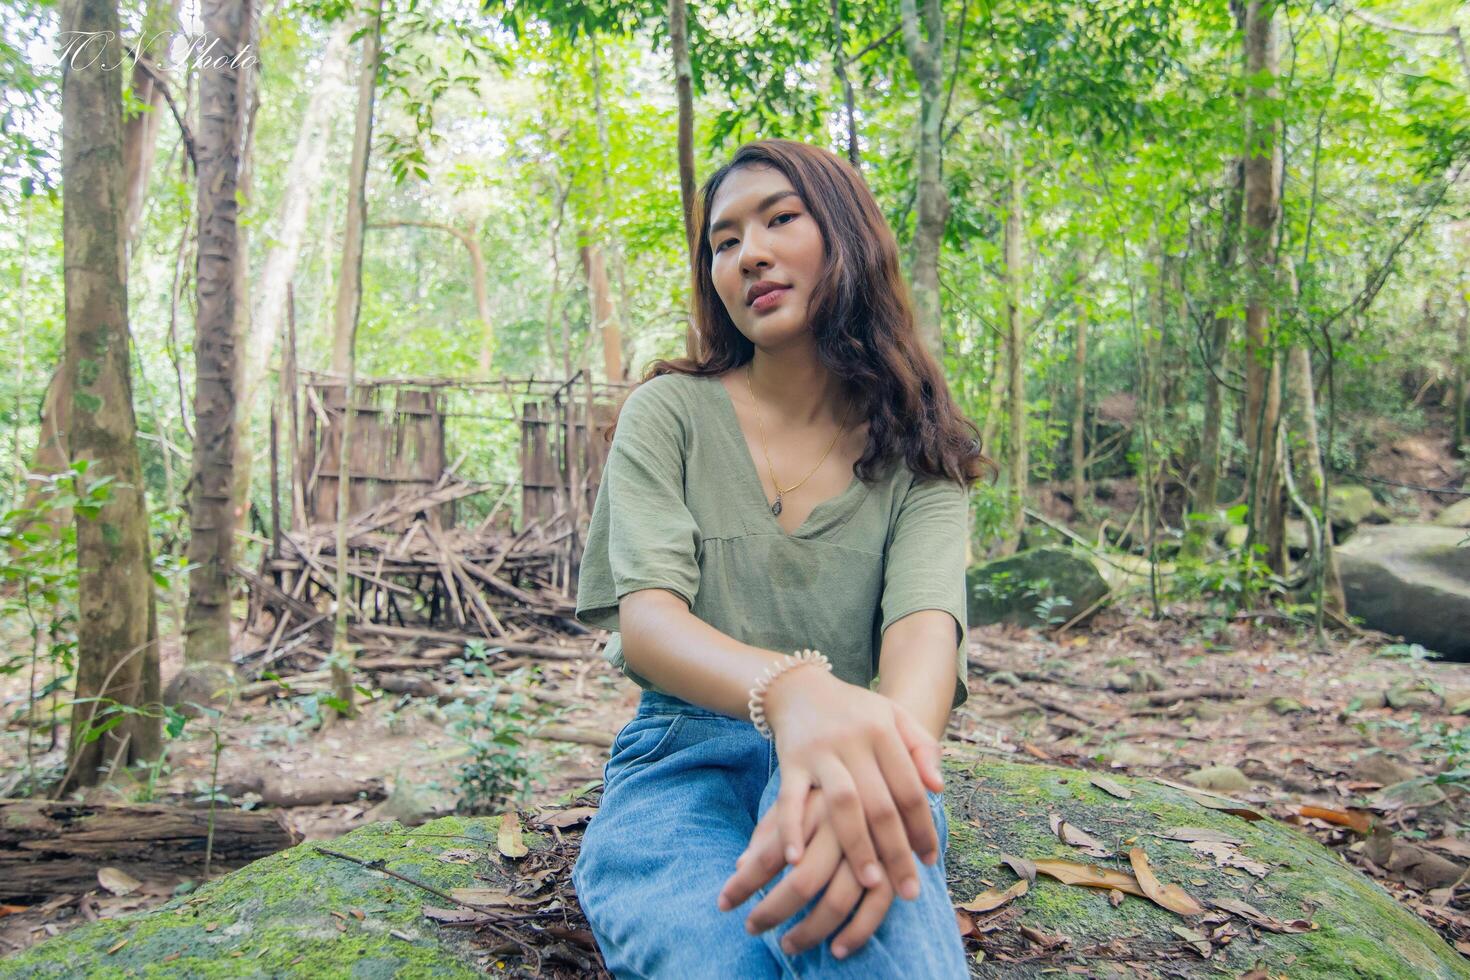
x: 501, y: 766
x: 1003, y: 587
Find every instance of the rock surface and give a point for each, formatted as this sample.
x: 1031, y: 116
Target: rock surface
x: 1012, y: 589
x: 296, y: 913
x: 1412, y: 580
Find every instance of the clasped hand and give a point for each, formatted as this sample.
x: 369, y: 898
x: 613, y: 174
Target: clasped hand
x: 854, y: 769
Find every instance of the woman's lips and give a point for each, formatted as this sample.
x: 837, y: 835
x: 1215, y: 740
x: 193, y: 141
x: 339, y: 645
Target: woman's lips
x: 767, y: 300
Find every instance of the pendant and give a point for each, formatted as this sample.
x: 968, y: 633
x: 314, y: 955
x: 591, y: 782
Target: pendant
x: 776, y: 507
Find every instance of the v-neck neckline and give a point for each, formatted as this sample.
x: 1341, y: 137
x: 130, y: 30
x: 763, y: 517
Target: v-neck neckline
x: 856, y: 489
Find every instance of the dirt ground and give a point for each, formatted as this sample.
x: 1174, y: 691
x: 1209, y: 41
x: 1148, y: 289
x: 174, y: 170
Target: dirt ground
x: 1358, y: 731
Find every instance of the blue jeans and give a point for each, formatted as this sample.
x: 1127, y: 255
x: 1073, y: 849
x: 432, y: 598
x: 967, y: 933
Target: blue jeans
x: 682, y: 792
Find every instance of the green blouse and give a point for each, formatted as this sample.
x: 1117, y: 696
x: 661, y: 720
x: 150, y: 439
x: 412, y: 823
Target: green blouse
x: 681, y: 507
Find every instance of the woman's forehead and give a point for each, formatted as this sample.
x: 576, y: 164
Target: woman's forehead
x: 746, y: 185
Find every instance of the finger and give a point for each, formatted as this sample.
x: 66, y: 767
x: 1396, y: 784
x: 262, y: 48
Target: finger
x: 871, y: 912
x: 912, y: 801
x: 887, y: 825
x: 848, y: 818
x: 803, y: 882
x: 841, y: 896
x: 922, y: 746
x: 762, y: 859
x: 791, y: 807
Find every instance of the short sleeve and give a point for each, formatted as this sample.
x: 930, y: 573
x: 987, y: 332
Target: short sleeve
x: 924, y: 565
x: 641, y: 534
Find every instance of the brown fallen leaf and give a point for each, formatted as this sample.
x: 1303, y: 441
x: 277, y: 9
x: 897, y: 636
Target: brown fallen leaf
x: 116, y: 946
x: 1260, y: 919
x: 1115, y: 897
x: 1358, y: 822
x: 118, y: 882
x: 454, y: 917
x: 1077, y: 837
x: 486, y: 897
x: 1226, y: 856
x: 1111, y: 786
x: 1191, y: 834
x: 993, y: 898
x: 1200, y: 944
x: 509, y: 837
x: 565, y: 818
x: 1043, y: 939
x: 12, y: 909
x: 1089, y: 876
x: 1023, y: 867
x: 1171, y: 897
x: 1234, y: 807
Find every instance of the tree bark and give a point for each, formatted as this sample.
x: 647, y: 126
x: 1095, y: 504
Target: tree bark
x: 1207, y: 496
x: 604, y: 319
x: 140, y: 136
x: 925, y: 57
x: 1079, y: 413
x: 684, y: 92
x: 1017, y: 450
x: 304, y: 176
x: 117, y: 648
x: 344, y: 350
x: 223, y: 115
x: 1262, y: 211
x: 1462, y: 366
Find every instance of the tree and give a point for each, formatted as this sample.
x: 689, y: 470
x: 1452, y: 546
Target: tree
x: 224, y: 92
x: 117, y: 649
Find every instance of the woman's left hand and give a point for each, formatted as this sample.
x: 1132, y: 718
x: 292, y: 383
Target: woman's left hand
x: 821, y: 869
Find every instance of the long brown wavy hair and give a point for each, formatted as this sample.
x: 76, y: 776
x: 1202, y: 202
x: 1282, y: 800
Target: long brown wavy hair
x: 861, y: 313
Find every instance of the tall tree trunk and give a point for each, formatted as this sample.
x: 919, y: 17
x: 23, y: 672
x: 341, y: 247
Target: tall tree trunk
x: 117, y: 630
x: 344, y: 348
x: 611, y: 322
x: 1207, y: 495
x: 1462, y: 367
x: 1015, y: 326
x: 603, y: 319
x: 1262, y: 210
x: 304, y: 176
x: 849, y: 100
x: 925, y: 57
x: 1304, y: 397
x: 470, y: 239
x: 684, y: 91
x: 140, y: 136
x: 223, y: 116
x: 1079, y: 413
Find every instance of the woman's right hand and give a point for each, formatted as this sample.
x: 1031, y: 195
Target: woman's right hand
x: 873, y: 761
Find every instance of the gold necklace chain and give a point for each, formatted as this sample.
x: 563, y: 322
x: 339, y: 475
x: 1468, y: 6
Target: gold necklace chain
x: 776, y: 507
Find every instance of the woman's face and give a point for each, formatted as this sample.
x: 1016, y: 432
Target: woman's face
x: 762, y: 233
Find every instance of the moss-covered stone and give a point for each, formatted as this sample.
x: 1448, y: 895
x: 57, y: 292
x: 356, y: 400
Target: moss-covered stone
x: 275, y: 918
x: 997, y: 808
x: 1031, y: 586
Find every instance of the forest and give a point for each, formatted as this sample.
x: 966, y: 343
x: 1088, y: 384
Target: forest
x: 316, y: 309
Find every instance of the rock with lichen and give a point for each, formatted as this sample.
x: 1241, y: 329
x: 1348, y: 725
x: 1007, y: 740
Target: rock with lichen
x: 303, y: 912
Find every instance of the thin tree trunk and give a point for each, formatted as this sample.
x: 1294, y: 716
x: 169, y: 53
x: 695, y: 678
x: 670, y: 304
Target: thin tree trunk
x: 344, y: 350
x: 117, y: 647
x: 1262, y: 211
x: 303, y: 179
x: 603, y: 320
x: 1017, y: 449
x: 925, y: 57
x: 849, y: 100
x: 1079, y: 413
x: 1208, y: 493
x: 1462, y: 366
x: 607, y: 312
x: 223, y: 114
x: 684, y: 91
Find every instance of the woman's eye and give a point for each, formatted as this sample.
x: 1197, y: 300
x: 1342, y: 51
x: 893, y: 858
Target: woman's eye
x: 784, y: 214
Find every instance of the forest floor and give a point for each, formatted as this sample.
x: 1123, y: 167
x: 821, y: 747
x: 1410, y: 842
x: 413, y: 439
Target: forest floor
x: 1361, y: 729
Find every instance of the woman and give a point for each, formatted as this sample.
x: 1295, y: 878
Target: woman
x: 799, y: 484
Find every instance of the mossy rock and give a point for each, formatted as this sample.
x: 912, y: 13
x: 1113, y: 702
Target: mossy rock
x: 999, y: 808
x: 275, y: 917
x: 1009, y: 590
x: 292, y: 914
x: 1351, y: 504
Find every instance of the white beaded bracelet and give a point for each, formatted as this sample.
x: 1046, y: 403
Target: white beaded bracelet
x: 757, y: 702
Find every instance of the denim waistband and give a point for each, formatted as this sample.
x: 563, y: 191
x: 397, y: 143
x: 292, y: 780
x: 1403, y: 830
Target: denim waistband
x: 653, y: 702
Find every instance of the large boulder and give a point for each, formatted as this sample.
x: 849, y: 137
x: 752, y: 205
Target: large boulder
x: 1032, y: 586
x: 1412, y: 580
x: 306, y: 913
x: 1455, y: 515
x: 1351, y: 504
